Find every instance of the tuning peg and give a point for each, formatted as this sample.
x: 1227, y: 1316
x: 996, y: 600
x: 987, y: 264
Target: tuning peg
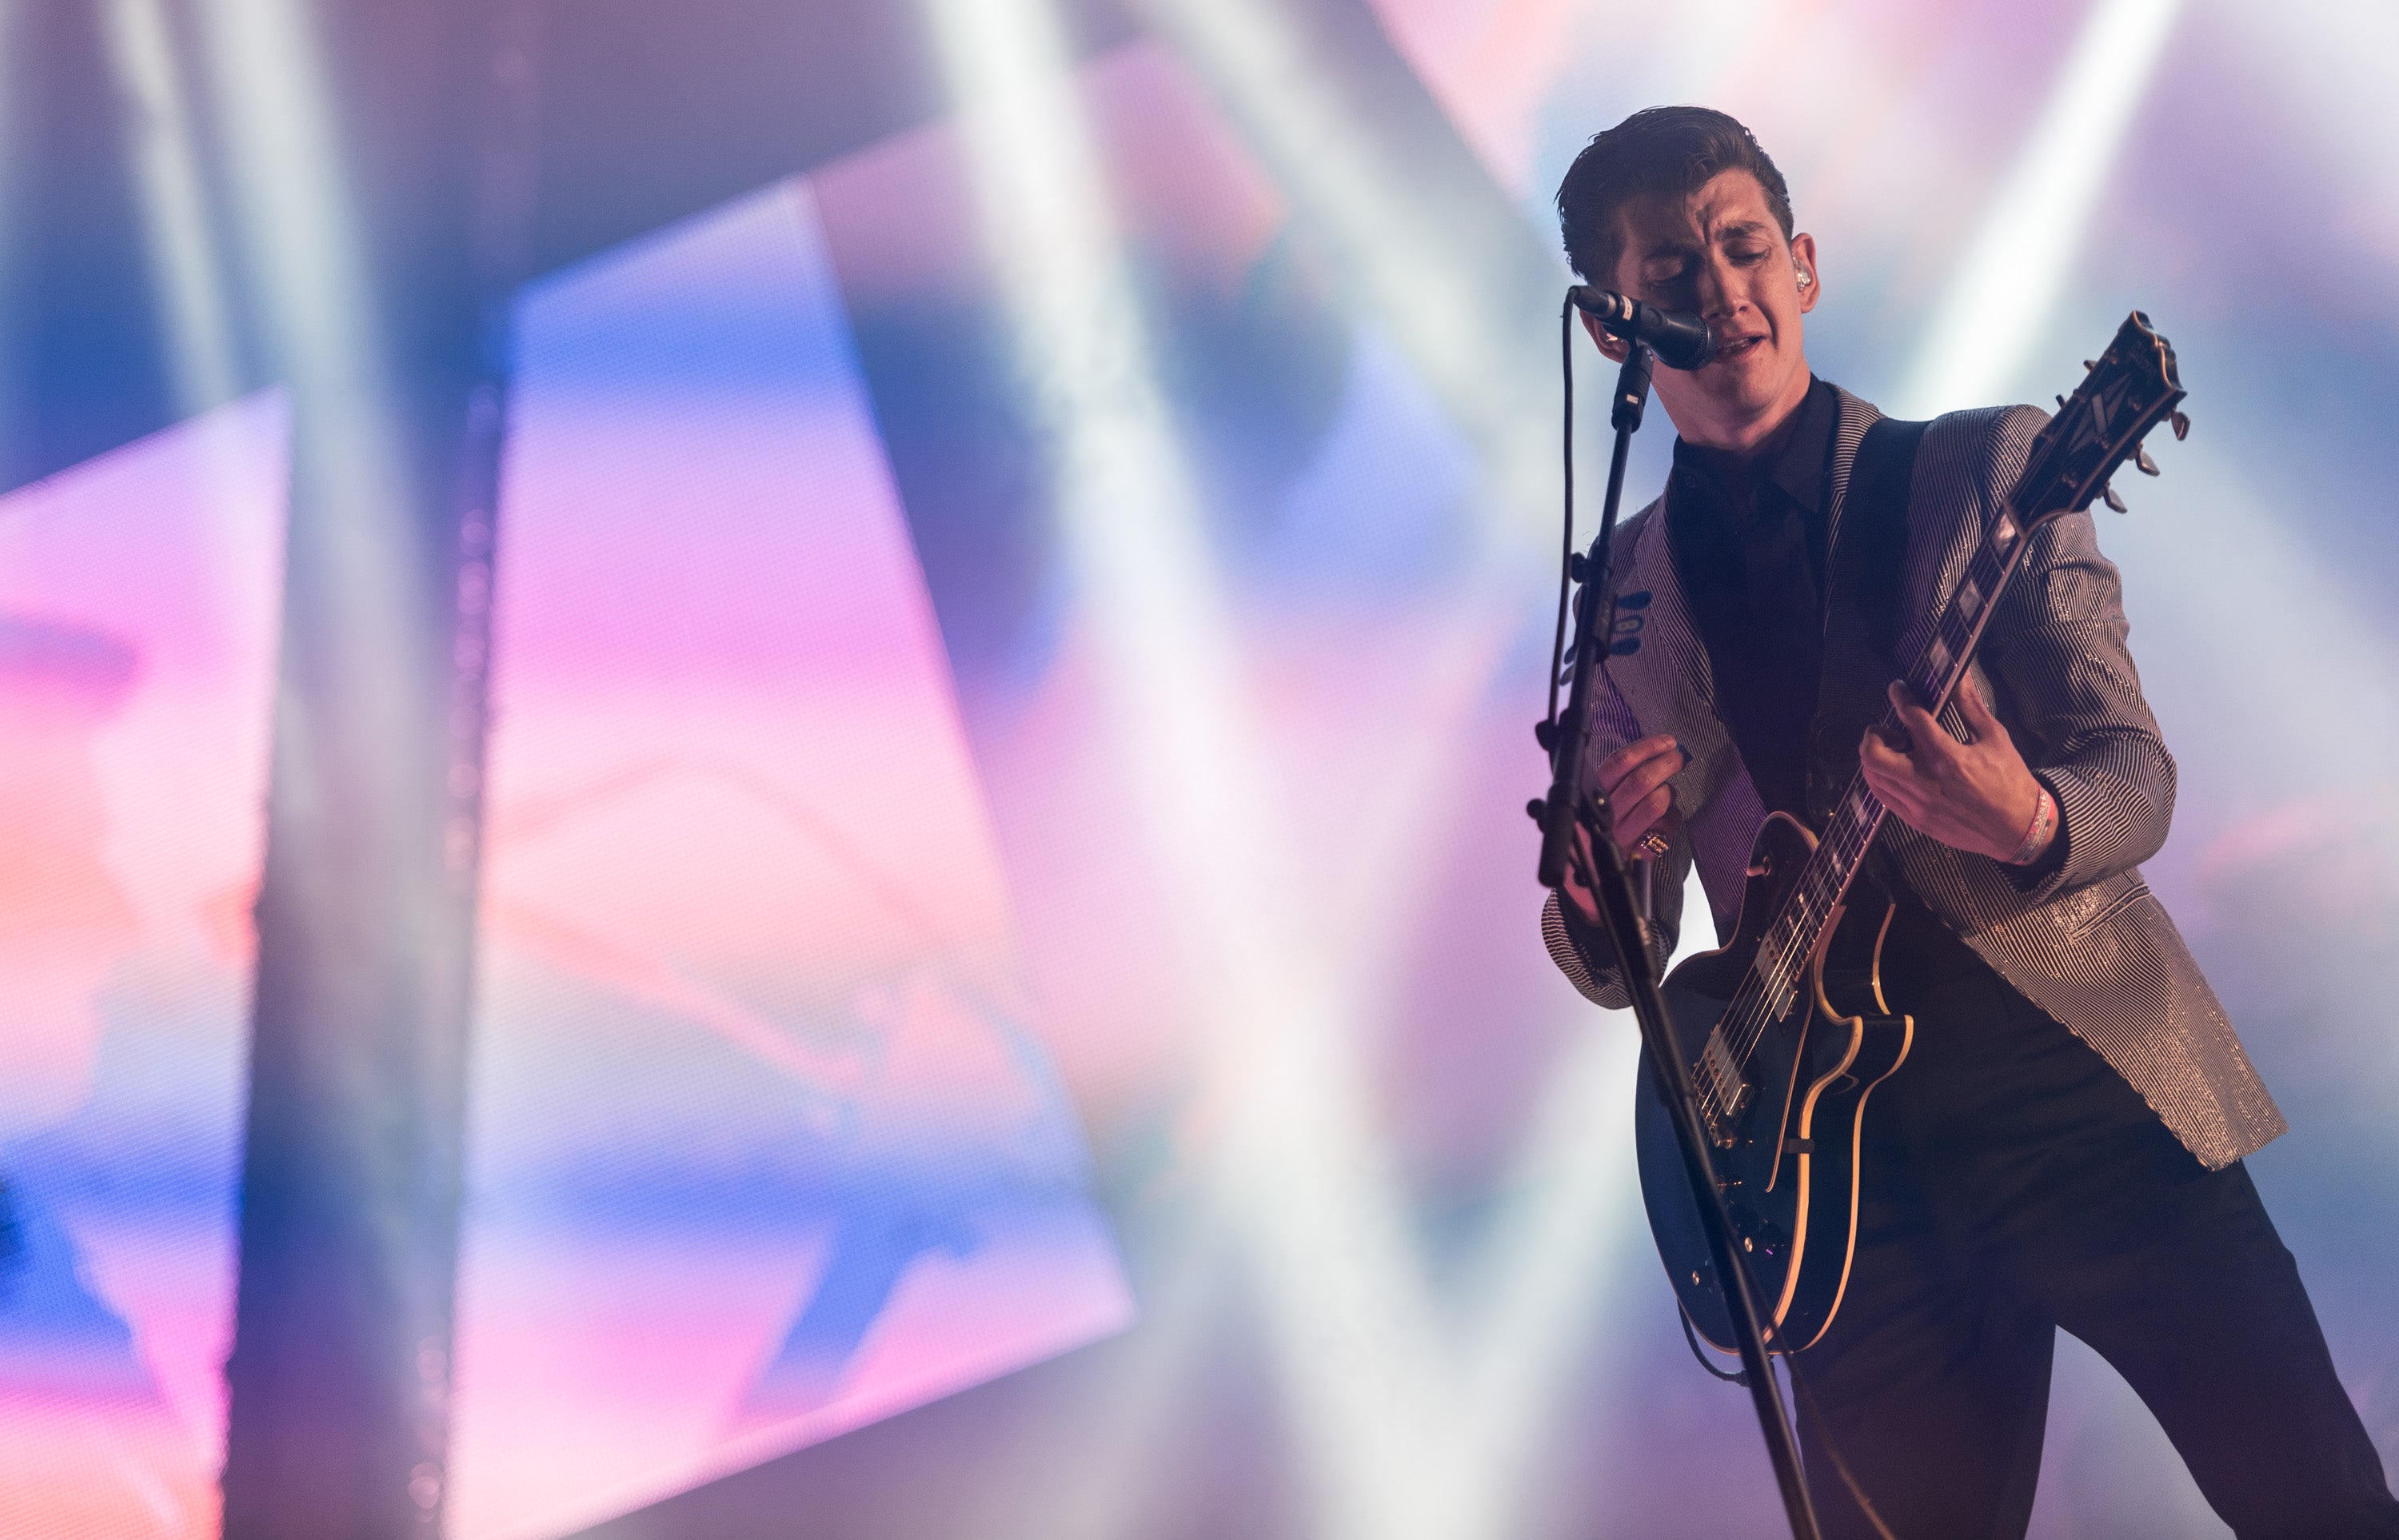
x: 2181, y: 424
x: 2141, y: 458
x: 2109, y: 493
x: 2061, y: 403
x: 2087, y: 364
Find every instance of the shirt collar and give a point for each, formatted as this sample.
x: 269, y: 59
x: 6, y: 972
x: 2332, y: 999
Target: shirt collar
x: 1798, y: 469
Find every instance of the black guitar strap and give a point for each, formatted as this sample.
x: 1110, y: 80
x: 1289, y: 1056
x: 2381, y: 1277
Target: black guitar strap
x: 1876, y: 514
x: 1861, y: 606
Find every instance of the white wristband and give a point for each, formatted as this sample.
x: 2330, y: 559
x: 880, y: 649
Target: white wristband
x: 2036, y: 833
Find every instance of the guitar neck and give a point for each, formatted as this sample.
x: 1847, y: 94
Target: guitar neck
x: 1787, y: 944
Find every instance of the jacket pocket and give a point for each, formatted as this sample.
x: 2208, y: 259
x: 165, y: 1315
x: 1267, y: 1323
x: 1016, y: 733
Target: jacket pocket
x: 2108, y: 910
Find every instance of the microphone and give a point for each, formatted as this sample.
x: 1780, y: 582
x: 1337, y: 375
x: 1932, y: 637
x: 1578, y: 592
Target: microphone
x: 1680, y: 340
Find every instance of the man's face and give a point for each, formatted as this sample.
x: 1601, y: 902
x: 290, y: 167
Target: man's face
x: 1720, y: 251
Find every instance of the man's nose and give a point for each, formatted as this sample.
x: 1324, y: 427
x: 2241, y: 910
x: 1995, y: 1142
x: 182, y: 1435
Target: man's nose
x: 1715, y: 288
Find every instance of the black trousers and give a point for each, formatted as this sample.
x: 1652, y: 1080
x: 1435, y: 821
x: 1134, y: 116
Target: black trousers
x: 2016, y: 1184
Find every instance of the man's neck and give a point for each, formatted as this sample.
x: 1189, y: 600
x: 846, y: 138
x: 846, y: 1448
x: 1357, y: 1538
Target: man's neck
x: 1761, y: 437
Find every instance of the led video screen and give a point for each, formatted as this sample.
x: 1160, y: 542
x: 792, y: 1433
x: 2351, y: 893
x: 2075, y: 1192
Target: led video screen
x: 138, y: 604
x: 764, y: 1140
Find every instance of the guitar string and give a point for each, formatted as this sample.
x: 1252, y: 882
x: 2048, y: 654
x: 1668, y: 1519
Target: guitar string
x: 1783, y: 979
x: 1857, y: 816
x: 1755, y: 1005
x: 1759, y: 985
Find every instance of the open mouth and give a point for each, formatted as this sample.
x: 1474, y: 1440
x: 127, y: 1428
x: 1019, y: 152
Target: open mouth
x: 1739, y: 347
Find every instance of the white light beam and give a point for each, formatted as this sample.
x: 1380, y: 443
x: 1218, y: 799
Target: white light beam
x: 1300, y: 1173
x: 2001, y: 296
x: 189, y: 282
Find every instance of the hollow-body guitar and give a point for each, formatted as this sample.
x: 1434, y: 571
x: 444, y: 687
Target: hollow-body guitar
x: 1785, y: 1026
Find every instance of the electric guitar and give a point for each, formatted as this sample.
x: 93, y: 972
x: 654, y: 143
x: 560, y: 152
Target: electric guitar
x: 1785, y: 1027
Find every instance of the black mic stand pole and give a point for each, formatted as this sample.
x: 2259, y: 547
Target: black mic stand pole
x: 1628, y: 927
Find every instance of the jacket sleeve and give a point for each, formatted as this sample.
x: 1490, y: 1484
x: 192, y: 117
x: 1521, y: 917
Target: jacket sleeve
x: 2063, y: 680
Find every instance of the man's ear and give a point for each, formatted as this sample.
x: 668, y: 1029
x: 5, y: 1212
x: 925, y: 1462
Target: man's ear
x: 1612, y: 347
x: 1803, y: 263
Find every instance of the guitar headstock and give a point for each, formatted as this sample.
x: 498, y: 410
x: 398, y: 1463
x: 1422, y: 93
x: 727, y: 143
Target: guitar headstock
x: 2100, y: 426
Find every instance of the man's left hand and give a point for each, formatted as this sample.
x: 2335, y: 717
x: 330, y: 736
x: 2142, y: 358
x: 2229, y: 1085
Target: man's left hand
x: 1975, y: 796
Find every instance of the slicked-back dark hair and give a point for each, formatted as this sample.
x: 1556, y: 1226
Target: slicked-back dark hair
x: 1657, y: 150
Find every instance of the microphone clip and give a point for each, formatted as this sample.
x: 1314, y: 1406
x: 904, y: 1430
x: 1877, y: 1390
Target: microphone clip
x: 1681, y: 340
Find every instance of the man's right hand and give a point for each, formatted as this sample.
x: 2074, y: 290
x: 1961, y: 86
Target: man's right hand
x: 1633, y: 779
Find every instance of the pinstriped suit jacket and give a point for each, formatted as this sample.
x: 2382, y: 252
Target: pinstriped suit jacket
x: 2089, y: 942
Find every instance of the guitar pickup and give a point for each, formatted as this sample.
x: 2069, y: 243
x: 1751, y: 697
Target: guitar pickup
x: 1799, y: 1147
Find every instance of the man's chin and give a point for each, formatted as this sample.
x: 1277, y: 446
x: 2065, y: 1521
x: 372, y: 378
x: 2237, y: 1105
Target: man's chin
x: 1736, y: 399
x: 1708, y: 408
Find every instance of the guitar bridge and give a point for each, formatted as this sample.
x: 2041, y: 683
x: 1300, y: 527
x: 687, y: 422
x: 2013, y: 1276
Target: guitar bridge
x: 1723, y: 1094
x: 1739, y: 1104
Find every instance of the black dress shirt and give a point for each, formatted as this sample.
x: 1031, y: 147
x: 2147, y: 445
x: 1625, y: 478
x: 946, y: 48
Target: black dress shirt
x: 1750, y: 547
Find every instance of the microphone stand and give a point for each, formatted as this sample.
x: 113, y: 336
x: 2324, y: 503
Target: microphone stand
x: 1628, y: 926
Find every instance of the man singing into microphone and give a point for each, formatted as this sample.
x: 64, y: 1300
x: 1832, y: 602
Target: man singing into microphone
x: 2063, y: 1146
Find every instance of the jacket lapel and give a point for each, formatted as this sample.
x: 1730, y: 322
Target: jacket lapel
x: 1659, y: 666
x: 1659, y: 670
